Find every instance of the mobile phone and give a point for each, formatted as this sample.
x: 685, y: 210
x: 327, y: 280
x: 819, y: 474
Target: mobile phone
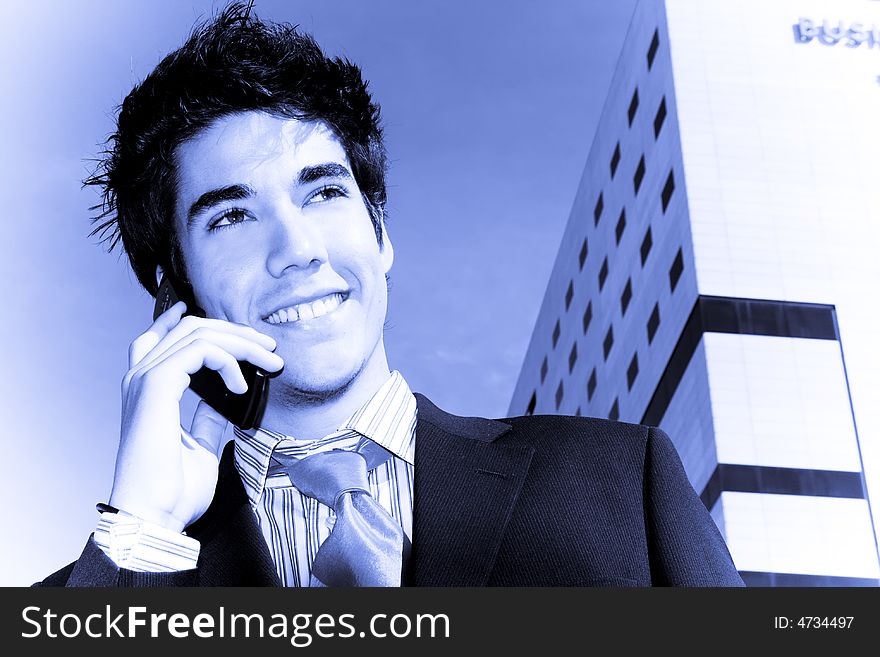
x: 243, y: 410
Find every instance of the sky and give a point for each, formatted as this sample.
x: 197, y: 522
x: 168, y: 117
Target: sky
x: 489, y: 110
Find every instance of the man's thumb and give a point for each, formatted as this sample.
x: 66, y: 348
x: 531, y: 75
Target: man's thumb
x: 208, y: 427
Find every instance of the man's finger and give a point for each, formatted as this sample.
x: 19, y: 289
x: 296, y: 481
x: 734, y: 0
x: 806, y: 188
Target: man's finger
x: 197, y: 324
x: 241, y: 348
x: 144, y: 343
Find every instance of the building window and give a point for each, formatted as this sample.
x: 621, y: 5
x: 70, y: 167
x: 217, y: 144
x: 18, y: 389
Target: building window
x: 632, y: 371
x: 653, y: 322
x: 569, y: 294
x: 597, y: 211
x: 591, y: 385
x: 614, y: 413
x: 532, y: 403
x: 675, y: 270
x: 615, y: 160
x: 652, y: 49
x: 582, y: 256
x: 660, y: 117
x: 639, y: 175
x: 647, y: 243
x: 626, y: 297
x: 572, y: 357
x: 544, y: 370
x: 668, y: 188
x: 603, y: 273
x: 559, y: 393
x: 556, y: 331
x: 633, y: 106
x: 621, y: 226
x: 609, y: 341
x: 588, y: 316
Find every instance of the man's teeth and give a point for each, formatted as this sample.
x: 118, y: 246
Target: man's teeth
x: 306, y: 310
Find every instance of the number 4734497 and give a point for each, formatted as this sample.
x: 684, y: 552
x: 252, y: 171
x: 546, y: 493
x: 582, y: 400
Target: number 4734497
x: 813, y: 622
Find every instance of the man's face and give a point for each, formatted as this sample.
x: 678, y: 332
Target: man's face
x: 275, y: 234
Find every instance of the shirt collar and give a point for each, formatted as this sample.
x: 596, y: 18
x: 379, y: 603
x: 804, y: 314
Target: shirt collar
x: 388, y: 419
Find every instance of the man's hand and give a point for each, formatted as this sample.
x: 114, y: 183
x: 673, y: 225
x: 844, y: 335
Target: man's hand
x: 165, y: 474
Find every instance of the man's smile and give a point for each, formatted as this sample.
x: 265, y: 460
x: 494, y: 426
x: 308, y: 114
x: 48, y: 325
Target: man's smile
x: 308, y: 309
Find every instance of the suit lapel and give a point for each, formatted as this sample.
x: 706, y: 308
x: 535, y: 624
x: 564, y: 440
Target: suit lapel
x: 466, y: 486
x: 233, y: 551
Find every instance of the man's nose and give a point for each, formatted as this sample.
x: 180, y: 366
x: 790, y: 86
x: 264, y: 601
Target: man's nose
x: 295, y: 242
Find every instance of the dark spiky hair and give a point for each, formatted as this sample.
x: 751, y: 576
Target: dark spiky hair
x: 231, y: 64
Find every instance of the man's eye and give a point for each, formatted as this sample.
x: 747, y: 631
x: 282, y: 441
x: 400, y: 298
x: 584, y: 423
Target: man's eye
x: 228, y: 219
x: 326, y: 193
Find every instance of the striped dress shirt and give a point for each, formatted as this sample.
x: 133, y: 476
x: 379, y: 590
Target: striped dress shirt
x: 295, y: 525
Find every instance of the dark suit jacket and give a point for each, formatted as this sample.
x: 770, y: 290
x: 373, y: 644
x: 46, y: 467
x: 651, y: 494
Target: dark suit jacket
x: 527, y: 501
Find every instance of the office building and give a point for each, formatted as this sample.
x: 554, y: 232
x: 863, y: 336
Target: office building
x: 717, y: 275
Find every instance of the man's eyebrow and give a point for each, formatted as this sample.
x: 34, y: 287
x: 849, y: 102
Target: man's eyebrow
x: 216, y: 196
x: 306, y: 175
x: 326, y: 170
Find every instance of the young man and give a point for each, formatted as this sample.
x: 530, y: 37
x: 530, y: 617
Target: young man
x: 248, y: 168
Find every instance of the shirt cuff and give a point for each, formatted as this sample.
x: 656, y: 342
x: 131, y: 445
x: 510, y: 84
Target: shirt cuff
x: 143, y: 546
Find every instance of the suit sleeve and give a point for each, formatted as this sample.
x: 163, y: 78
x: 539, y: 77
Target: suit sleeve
x: 685, y: 546
x: 96, y: 569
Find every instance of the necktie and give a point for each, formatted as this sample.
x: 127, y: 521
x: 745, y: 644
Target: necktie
x: 365, y: 546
